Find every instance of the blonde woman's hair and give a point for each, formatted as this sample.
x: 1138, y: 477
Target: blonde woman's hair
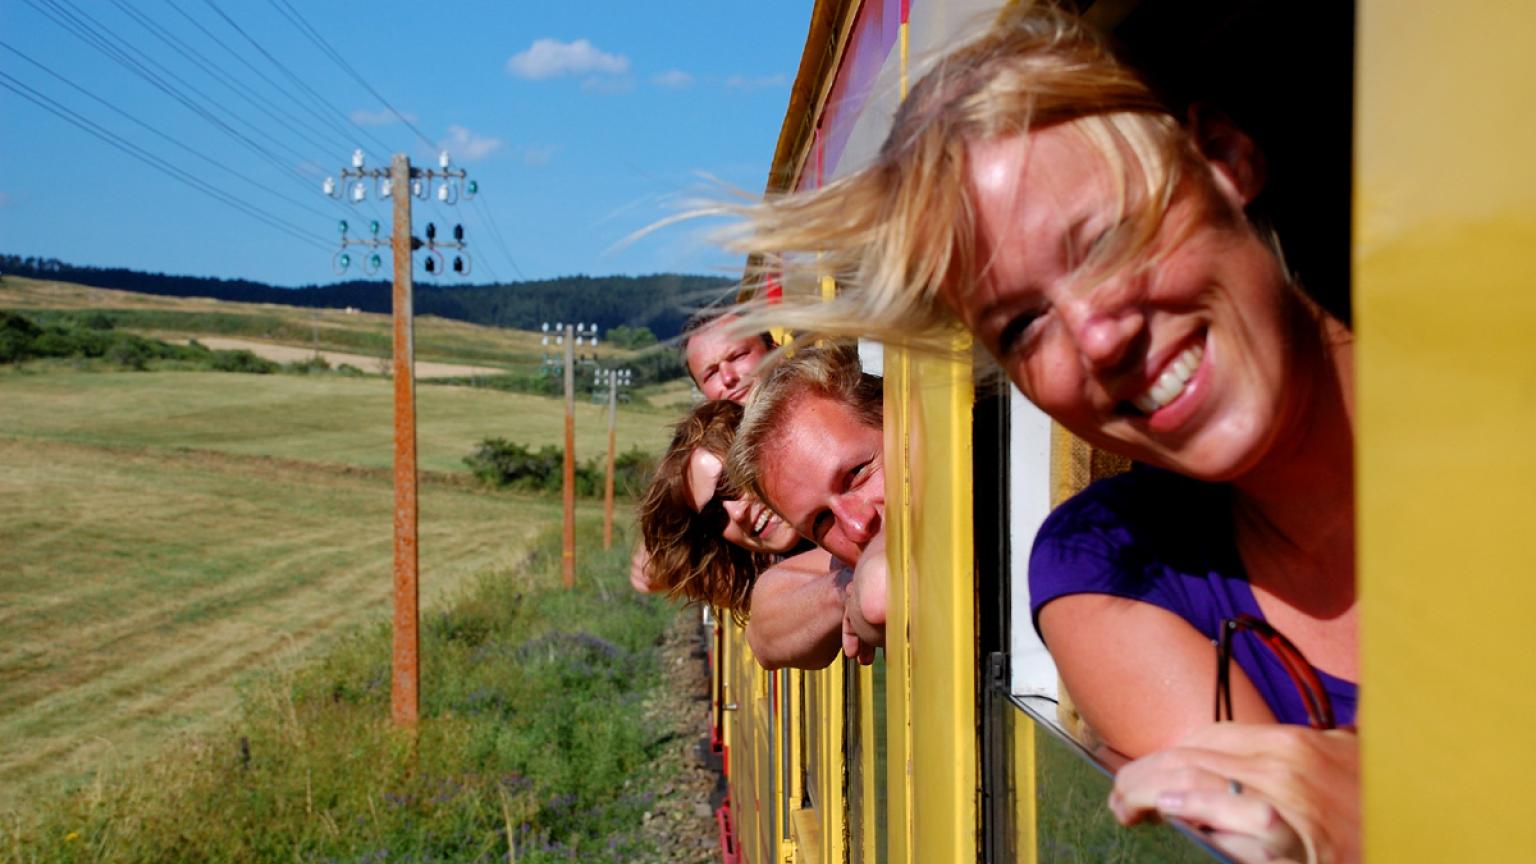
x: 830, y: 372
x: 900, y: 231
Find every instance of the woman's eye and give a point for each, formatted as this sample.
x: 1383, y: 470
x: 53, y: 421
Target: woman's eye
x: 1013, y: 333
x: 1102, y: 241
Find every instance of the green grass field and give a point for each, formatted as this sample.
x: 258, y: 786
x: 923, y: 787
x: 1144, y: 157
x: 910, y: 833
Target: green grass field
x: 167, y: 534
x: 311, y: 418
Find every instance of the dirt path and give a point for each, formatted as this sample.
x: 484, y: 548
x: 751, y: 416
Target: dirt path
x: 290, y: 353
x: 681, y: 822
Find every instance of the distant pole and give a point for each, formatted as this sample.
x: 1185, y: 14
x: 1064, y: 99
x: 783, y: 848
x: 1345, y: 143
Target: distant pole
x: 568, y: 552
x: 405, y: 699
x: 613, y: 402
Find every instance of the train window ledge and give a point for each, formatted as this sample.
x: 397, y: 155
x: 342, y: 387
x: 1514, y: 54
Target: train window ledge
x: 1071, y: 787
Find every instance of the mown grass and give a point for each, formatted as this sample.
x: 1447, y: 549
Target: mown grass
x: 138, y: 586
x: 312, y: 418
x: 532, y: 744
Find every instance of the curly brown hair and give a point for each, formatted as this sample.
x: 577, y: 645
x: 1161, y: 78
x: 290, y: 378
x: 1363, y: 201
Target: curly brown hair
x: 689, y: 557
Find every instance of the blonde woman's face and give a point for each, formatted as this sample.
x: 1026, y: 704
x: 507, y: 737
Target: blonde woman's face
x: 1181, y: 358
x: 749, y: 523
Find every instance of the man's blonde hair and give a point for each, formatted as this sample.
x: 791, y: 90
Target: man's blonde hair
x: 830, y: 372
x: 902, y: 230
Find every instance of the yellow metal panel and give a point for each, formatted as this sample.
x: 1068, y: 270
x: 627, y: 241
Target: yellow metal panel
x: 830, y: 771
x: 942, y: 609
x: 867, y: 775
x: 1022, y: 775
x: 898, y: 648
x: 1446, y: 326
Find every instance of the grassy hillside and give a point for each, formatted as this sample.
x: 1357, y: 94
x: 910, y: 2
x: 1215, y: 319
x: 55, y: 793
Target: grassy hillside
x: 168, y: 533
x: 313, y: 418
x: 180, y: 318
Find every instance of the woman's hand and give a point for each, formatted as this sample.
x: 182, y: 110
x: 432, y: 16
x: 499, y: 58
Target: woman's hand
x: 1266, y: 792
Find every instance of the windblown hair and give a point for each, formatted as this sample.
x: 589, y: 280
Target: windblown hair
x: 689, y: 557
x: 902, y: 230
x: 831, y: 372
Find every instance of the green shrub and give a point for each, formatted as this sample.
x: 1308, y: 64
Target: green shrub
x: 308, y: 366
x: 241, y: 360
x: 503, y: 463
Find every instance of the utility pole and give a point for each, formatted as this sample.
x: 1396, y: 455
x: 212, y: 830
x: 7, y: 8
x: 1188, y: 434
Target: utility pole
x: 615, y: 379
x: 405, y: 697
x: 402, y: 182
x: 568, y: 549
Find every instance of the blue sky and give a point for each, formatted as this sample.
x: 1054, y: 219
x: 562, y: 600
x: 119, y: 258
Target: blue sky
x: 581, y: 121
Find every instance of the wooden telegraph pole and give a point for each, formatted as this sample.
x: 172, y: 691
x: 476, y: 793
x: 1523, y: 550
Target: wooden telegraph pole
x: 613, y: 401
x: 402, y: 182
x: 405, y: 680
x: 568, y: 549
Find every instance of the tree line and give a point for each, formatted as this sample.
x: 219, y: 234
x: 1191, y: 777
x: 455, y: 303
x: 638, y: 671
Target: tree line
x: 659, y: 303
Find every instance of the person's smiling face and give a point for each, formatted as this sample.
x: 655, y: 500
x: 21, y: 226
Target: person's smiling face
x: 749, y: 523
x: 825, y: 476
x: 721, y: 363
x: 1181, y: 356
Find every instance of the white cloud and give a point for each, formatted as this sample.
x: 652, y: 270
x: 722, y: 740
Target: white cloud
x: 549, y: 58
x: 672, y: 79
x: 598, y: 84
x: 758, y: 82
x: 465, y: 146
x: 382, y: 117
x: 538, y: 155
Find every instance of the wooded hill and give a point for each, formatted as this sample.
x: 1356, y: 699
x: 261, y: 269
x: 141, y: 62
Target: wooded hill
x: 660, y: 302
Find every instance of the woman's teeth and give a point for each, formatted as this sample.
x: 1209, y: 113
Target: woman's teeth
x: 1172, y: 382
x: 762, y: 521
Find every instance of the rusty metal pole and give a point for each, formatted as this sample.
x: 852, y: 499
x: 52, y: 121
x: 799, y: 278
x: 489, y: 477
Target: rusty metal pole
x: 613, y: 402
x: 405, y: 675
x: 568, y: 550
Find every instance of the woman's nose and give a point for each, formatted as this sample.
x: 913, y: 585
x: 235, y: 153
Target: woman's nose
x: 1105, y: 323
x: 735, y: 508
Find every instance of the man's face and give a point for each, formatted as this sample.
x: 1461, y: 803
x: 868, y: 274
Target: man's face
x: 825, y: 476
x: 721, y: 363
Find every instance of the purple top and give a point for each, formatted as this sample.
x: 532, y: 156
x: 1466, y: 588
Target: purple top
x: 1164, y: 539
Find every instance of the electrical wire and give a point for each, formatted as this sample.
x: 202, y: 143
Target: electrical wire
x: 378, y: 155
x: 281, y: 67
x: 314, y: 35
x: 90, y: 36
x: 148, y: 128
x: 296, y: 124
x: 37, y: 98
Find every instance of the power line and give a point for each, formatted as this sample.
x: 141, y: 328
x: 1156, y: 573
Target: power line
x: 296, y: 124
x: 485, y: 211
x: 21, y: 89
x: 90, y: 36
x: 281, y: 67
x: 304, y: 27
x: 331, y: 122
x: 210, y: 160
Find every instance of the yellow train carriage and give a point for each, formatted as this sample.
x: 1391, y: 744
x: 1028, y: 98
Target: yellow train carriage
x: 952, y: 747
